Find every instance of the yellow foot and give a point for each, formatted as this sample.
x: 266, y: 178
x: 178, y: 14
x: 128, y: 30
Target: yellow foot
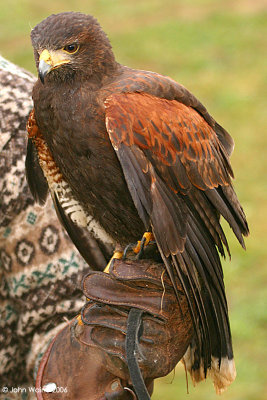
x: 79, y: 319
x: 116, y: 256
x: 146, y: 239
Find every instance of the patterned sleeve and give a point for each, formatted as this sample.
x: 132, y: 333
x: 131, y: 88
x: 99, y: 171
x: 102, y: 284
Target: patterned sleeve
x: 40, y: 271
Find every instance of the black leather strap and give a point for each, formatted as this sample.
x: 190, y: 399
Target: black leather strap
x: 134, y: 324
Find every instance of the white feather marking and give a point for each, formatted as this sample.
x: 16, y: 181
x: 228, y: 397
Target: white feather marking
x: 94, y: 227
x: 70, y: 205
x: 78, y: 215
x: 221, y: 376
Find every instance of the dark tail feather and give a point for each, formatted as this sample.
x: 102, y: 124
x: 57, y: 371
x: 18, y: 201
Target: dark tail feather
x: 231, y: 214
x: 222, y: 367
x: 211, y: 353
x: 230, y: 197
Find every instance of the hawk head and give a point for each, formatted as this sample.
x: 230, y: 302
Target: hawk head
x: 71, y: 43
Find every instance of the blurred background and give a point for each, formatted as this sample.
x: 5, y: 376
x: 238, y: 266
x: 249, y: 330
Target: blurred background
x: 217, y: 49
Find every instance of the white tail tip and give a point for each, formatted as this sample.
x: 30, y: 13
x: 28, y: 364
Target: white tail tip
x: 221, y: 376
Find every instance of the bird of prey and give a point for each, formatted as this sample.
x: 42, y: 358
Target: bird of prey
x: 127, y: 151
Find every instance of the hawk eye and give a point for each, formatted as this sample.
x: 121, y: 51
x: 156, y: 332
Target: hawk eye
x: 71, y: 48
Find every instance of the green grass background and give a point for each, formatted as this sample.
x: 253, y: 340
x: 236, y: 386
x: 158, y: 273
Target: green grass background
x: 217, y: 49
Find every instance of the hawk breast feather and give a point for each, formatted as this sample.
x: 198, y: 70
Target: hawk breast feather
x: 43, y: 174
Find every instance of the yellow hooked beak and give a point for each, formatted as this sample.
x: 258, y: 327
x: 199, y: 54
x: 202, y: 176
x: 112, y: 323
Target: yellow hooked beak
x: 51, y: 60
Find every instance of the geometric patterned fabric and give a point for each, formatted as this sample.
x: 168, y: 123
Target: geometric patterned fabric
x: 40, y: 270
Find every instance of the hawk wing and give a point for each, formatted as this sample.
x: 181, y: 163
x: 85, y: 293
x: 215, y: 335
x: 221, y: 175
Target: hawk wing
x: 179, y: 176
x: 34, y: 174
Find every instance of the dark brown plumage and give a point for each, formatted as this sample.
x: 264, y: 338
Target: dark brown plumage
x: 132, y: 151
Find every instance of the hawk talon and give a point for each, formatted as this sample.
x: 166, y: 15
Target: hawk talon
x: 129, y: 246
x: 138, y: 248
x: 117, y: 255
x: 141, y: 244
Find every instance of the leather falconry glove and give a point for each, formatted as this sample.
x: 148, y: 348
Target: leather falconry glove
x: 88, y: 357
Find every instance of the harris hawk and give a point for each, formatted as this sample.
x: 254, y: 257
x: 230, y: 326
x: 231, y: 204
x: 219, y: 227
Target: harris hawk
x: 126, y: 151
